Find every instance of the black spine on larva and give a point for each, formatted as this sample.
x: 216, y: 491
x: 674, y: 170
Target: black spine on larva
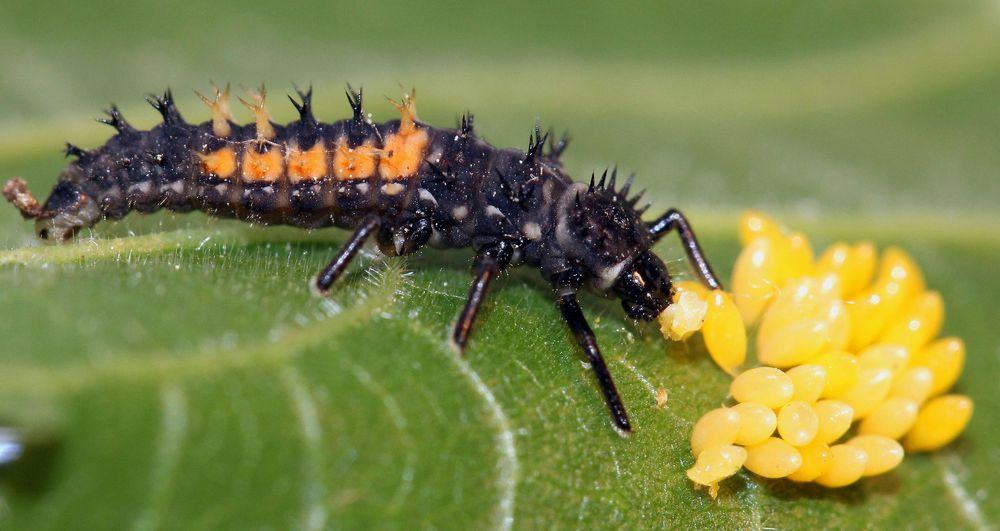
x: 358, y: 128
x: 307, y: 127
x: 116, y: 120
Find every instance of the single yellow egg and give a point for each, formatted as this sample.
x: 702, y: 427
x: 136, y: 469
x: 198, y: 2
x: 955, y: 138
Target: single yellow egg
x: 898, y: 265
x: 808, y: 381
x: 884, y: 454
x: 797, y: 343
x: 871, y: 309
x: 841, y: 372
x: 798, y: 423
x: 754, y: 223
x: 918, y: 323
x: 864, y: 256
x: 764, y: 385
x: 872, y: 388
x: 945, y: 358
x: 831, y: 286
x: 757, y: 423
x: 755, y: 277
x: 715, y: 464
x: 716, y: 428
x: 847, y: 464
x: 815, y: 459
x: 797, y: 300
x: 884, y: 356
x: 892, y: 418
x: 773, y: 458
x: 800, y: 261
x: 834, y: 259
x: 939, y: 422
x: 913, y: 384
x: 835, y: 419
x: 838, y: 325
x: 855, y: 265
x: 724, y: 332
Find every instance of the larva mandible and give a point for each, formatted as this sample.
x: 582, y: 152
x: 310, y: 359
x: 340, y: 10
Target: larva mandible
x: 405, y: 182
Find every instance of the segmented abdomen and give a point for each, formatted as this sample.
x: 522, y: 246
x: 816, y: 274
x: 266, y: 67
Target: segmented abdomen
x: 311, y: 174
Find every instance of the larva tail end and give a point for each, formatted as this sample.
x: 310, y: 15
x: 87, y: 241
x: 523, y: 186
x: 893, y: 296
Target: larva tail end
x: 16, y: 191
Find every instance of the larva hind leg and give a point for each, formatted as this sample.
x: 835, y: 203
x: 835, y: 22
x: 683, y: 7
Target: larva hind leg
x: 339, y: 264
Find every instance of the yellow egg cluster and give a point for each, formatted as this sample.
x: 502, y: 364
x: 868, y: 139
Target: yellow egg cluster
x: 844, y: 341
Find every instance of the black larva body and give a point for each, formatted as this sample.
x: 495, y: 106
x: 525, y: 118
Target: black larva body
x: 403, y: 181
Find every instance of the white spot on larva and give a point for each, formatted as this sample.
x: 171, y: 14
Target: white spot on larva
x: 460, y: 212
x: 399, y: 239
x: 494, y: 211
x: 221, y: 188
x: 268, y: 189
x: 296, y: 193
x: 563, y: 235
x: 562, y: 232
x: 392, y: 188
x: 316, y: 188
x: 176, y: 186
x: 427, y: 196
x: 532, y: 231
x: 143, y: 187
x: 362, y: 188
x: 606, y: 277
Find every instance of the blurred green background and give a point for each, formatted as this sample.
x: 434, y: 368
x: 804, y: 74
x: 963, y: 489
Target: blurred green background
x: 182, y: 376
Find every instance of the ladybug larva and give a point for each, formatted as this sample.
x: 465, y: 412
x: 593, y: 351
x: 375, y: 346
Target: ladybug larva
x: 404, y: 182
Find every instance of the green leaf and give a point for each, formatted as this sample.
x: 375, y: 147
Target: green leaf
x: 175, y: 371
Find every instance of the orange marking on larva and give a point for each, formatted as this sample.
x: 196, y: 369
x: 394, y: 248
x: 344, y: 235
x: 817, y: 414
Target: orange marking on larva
x: 356, y: 163
x: 267, y: 166
x: 404, y: 152
x: 221, y: 163
x: 307, y: 165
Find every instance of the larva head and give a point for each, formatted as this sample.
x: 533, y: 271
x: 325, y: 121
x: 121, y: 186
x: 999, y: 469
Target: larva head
x: 67, y: 210
x: 600, y: 230
x: 644, y: 287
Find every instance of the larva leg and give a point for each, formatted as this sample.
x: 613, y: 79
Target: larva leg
x: 489, y: 262
x: 336, y: 267
x: 577, y: 323
x: 674, y: 220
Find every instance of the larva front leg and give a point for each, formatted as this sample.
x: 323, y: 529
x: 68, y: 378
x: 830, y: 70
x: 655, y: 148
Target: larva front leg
x: 577, y: 323
x: 673, y: 219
